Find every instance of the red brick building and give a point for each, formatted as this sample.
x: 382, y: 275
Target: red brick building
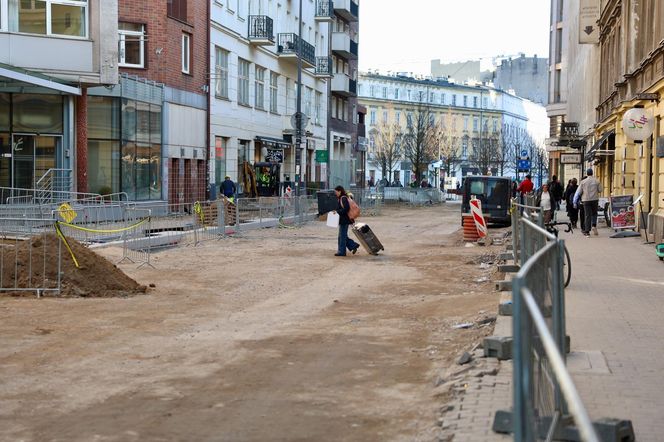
x: 157, y: 148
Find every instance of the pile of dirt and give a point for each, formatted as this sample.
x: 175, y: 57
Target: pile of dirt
x: 37, y: 266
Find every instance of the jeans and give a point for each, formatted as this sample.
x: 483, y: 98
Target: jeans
x: 590, y: 213
x: 344, y: 241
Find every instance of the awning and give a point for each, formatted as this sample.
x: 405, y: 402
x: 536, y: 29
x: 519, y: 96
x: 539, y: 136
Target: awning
x: 22, y: 77
x: 273, y: 143
x: 590, y: 155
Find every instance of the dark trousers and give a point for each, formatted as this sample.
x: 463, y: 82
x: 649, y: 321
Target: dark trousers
x: 573, y: 214
x: 590, y: 214
x: 344, y: 241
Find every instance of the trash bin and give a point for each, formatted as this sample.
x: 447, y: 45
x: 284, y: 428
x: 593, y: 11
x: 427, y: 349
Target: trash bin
x: 327, y: 201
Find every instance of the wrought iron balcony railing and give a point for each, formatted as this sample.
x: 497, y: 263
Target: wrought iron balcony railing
x: 324, y: 10
x: 291, y: 44
x: 324, y: 66
x: 261, y: 28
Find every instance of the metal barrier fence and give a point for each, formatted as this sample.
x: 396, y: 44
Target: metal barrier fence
x: 30, y: 260
x: 519, y: 211
x: 543, y: 390
x: 413, y: 196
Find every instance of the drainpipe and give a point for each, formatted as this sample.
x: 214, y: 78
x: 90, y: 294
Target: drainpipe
x: 82, y: 141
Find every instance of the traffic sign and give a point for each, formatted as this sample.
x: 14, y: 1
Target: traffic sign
x: 523, y: 165
x: 524, y: 154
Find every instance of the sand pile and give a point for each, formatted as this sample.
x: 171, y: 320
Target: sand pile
x: 96, y: 277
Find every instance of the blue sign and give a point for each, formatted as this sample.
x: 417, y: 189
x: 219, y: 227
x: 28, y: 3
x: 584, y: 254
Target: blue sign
x: 523, y: 165
x: 524, y: 154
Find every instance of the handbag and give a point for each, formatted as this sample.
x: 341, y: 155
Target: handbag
x: 354, y: 210
x: 333, y: 219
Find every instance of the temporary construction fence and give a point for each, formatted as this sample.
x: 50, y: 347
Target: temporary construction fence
x: 370, y: 201
x: 414, y: 196
x: 546, y: 401
x: 29, y: 263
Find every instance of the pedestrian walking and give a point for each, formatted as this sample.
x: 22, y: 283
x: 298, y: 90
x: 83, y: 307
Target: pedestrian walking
x: 568, y: 196
x: 526, y: 186
x: 588, y: 195
x: 556, y: 190
x: 343, y: 207
x: 545, y: 200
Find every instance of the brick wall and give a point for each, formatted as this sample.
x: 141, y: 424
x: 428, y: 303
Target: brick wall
x: 165, y: 33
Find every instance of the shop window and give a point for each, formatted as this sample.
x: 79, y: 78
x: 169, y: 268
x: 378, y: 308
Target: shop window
x: 132, y: 45
x: 103, y: 166
x: 128, y: 169
x: 38, y: 113
x: 220, y: 146
x: 103, y: 118
x: 49, y: 17
x: 4, y: 112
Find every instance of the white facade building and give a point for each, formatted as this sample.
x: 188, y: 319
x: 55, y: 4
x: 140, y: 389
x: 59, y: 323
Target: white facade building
x: 254, y: 88
x: 465, y: 108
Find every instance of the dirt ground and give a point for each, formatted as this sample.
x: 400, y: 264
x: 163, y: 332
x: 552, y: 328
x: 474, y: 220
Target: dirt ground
x: 267, y: 336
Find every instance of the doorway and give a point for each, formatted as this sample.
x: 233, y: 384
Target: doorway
x: 29, y: 158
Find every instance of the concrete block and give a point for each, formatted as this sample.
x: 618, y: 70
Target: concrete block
x: 498, y: 347
x: 506, y: 256
x: 608, y: 430
x: 504, y: 286
x: 502, y: 422
x: 505, y: 309
x: 509, y: 247
x: 508, y: 268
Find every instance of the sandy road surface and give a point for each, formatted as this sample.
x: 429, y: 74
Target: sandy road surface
x: 263, y: 337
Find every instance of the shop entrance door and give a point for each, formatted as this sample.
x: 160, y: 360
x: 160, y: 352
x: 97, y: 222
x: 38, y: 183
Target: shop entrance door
x: 32, y: 157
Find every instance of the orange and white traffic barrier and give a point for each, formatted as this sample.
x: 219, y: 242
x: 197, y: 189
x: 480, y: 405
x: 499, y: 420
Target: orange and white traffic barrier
x: 480, y: 222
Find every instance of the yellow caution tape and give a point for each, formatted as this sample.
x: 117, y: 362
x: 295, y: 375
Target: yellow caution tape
x: 64, y: 240
x: 67, y: 213
x: 123, y: 229
x: 198, y: 209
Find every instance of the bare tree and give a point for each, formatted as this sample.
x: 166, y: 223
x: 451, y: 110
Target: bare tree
x: 388, y: 151
x: 485, y: 153
x: 419, y: 140
x: 507, y: 155
x: 446, y: 139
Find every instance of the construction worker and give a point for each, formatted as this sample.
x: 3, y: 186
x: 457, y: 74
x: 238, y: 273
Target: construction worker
x: 228, y: 188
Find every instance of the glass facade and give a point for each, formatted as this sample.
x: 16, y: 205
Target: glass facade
x: 124, y: 147
x: 49, y: 17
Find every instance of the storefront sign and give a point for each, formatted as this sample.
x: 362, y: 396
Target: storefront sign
x: 322, y: 156
x: 638, y: 125
x: 622, y: 212
x: 570, y: 158
x: 274, y: 156
x: 589, y: 14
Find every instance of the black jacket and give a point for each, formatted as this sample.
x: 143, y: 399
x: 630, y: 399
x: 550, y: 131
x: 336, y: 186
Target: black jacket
x: 343, y: 207
x: 569, y: 193
x: 556, y: 190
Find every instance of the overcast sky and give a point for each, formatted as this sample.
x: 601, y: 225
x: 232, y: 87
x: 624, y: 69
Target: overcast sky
x: 405, y: 35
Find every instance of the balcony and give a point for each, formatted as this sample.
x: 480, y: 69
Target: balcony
x: 290, y: 46
x: 261, y: 30
x: 343, y: 85
x: 324, y: 11
x: 323, y: 67
x: 347, y: 9
x: 344, y: 46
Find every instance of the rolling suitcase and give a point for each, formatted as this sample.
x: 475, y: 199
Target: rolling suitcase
x: 367, y: 238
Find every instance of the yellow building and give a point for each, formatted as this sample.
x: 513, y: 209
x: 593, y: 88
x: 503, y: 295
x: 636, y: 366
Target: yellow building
x: 632, y: 75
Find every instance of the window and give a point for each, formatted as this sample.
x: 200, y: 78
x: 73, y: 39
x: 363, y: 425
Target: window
x: 409, y: 119
x: 495, y: 125
x: 385, y: 117
x: 220, y: 148
x: 49, y: 17
x: 384, y: 92
x: 243, y: 82
x: 397, y: 117
x: 221, y: 73
x: 274, y: 92
x: 308, y: 96
x: 319, y: 100
x: 454, y: 100
x: 177, y: 9
x: 396, y: 94
x: 485, y: 102
x: 464, y: 147
x: 372, y: 118
x: 132, y: 45
x: 476, y: 124
x: 465, y: 123
x: 259, y: 91
x: 186, y: 53
x: 465, y: 101
x: 432, y: 120
x: 442, y: 98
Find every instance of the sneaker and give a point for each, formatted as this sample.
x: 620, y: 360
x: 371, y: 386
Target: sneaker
x: 355, y: 250
x: 586, y: 234
x: 595, y: 232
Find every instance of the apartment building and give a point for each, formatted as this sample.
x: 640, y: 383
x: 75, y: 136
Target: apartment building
x: 345, y: 150
x: 254, y: 57
x: 631, y: 67
x: 148, y: 135
x: 471, y: 115
x: 51, y: 52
